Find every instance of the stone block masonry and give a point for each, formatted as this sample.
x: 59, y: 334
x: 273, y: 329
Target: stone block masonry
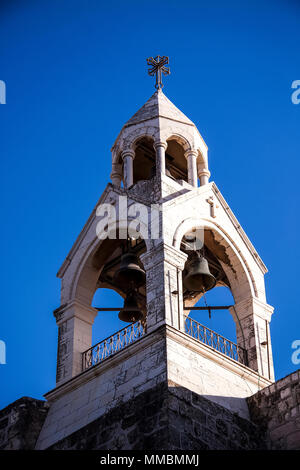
x: 21, y: 423
x: 166, y: 417
x: 276, y: 409
x: 136, y: 368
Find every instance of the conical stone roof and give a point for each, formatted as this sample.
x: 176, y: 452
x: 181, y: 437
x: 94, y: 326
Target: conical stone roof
x: 158, y: 105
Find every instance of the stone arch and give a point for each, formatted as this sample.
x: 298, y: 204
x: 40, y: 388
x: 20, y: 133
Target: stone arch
x: 182, y: 134
x: 86, y: 267
x: 143, y: 135
x: 128, y: 142
x: 137, y: 134
x: 175, y: 156
x: 233, y: 263
x: 183, y: 141
x: 144, y: 162
x: 241, y: 280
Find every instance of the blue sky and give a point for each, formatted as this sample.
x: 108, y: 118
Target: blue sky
x: 75, y: 71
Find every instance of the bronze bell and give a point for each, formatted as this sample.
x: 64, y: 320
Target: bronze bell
x: 199, y: 277
x: 131, y: 311
x: 129, y: 274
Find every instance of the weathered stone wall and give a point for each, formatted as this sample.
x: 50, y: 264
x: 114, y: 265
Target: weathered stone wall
x: 195, y: 366
x: 21, y: 423
x: 276, y: 409
x: 161, y: 355
x: 140, y: 366
x: 166, y: 418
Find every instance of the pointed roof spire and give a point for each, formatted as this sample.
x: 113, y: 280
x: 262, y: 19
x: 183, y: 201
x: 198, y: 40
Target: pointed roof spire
x: 159, y: 118
x: 158, y: 105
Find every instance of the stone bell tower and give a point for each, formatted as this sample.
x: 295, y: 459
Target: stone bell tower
x: 157, y: 383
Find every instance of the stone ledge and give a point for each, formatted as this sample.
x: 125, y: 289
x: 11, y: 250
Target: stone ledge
x: 107, y: 363
x: 225, y: 361
x: 150, y: 338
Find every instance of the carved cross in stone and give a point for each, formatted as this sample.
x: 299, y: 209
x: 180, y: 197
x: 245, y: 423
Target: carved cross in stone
x: 158, y: 67
x: 213, y: 207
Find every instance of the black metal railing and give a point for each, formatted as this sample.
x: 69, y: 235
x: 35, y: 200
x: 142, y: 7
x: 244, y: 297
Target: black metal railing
x: 112, y: 344
x: 215, y: 341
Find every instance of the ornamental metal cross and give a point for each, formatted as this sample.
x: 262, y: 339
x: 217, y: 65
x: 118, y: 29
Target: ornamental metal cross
x: 157, y: 67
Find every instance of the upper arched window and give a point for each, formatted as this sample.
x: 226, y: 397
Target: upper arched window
x: 176, y: 165
x: 144, y: 161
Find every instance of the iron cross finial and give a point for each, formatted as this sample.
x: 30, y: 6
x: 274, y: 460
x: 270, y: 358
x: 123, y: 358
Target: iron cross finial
x: 157, y: 67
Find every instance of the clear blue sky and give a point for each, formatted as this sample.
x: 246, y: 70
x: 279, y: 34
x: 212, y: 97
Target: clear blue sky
x: 75, y: 72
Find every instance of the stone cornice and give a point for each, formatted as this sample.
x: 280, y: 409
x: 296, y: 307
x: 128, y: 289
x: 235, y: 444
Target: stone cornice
x: 167, y: 332
x: 252, y: 305
x: 214, y: 355
x: 106, y: 364
x: 77, y: 309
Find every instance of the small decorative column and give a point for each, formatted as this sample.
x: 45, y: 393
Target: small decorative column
x: 75, y: 321
x: 116, y: 174
x: 127, y: 157
x: 204, y: 175
x: 160, y: 149
x: 191, y: 156
x: 164, y: 265
x: 252, y: 318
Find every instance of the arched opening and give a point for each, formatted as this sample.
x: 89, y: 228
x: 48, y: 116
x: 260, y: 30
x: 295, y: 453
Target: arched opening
x: 219, y: 321
x: 110, y: 291
x: 144, y: 161
x: 176, y: 164
x: 107, y: 322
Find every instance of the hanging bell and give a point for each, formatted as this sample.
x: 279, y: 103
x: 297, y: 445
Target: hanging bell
x: 199, y: 277
x: 130, y: 312
x: 129, y: 274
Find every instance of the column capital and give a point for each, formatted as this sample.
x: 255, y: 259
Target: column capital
x: 116, y: 174
x: 191, y: 152
x: 160, y: 143
x: 253, y: 306
x: 128, y: 153
x: 204, y: 172
x: 164, y: 253
x: 75, y: 308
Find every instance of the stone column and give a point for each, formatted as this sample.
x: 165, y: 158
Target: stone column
x: 75, y: 321
x: 252, y: 318
x: 116, y: 174
x: 164, y: 265
x: 160, y: 149
x: 191, y: 156
x: 128, y: 157
x: 204, y: 175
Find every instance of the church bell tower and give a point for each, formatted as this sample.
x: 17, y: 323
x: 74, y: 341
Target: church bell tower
x: 161, y: 235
